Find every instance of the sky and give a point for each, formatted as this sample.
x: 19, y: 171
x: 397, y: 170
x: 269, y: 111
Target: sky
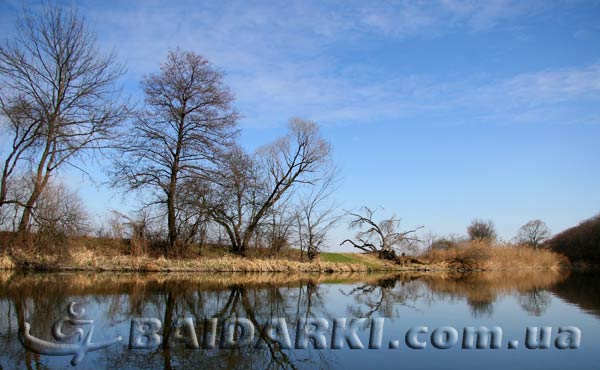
x: 438, y: 111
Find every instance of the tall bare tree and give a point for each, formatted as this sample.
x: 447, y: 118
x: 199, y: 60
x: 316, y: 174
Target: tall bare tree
x: 316, y: 215
x: 58, y: 94
x: 379, y: 237
x: 257, y: 185
x: 187, y: 121
x: 534, y: 233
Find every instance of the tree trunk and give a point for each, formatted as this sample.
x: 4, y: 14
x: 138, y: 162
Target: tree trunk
x: 38, y: 187
x: 171, y: 223
x: 41, y: 179
x: 245, y: 242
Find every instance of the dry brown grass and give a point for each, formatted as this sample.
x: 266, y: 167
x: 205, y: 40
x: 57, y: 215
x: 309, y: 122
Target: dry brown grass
x: 6, y: 263
x: 524, y: 257
x: 472, y: 256
x: 484, y: 256
x: 84, y: 259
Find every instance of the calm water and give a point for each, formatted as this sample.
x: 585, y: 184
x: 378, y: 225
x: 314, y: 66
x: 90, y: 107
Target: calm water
x: 510, y: 300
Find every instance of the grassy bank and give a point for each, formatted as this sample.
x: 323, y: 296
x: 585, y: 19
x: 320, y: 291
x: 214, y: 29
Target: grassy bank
x: 468, y: 257
x: 89, y: 261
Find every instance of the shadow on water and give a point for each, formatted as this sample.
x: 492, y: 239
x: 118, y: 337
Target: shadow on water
x: 114, y: 299
x: 581, y: 289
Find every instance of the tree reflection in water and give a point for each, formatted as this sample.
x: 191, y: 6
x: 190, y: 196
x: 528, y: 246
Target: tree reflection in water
x: 384, y: 296
x: 535, y: 302
x: 169, y: 297
x: 479, y: 290
x: 113, y: 299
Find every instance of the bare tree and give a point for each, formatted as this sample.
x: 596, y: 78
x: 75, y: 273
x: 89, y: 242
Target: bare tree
x: 187, y: 122
x: 533, y: 233
x: 235, y: 194
x: 277, y: 226
x: 60, y: 210
x: 57, y: 92
x: 316, y: 216
x: 249, y: 188
x: 379, y: 237
x: 482, y: 230
x: 58, y: 215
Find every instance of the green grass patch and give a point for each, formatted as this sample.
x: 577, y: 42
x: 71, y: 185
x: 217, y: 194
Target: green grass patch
x: 346, y: 258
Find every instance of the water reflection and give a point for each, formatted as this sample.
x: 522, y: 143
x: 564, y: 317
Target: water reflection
x: 582, y: 289
x: 113, y: 299
x: 478, y: 289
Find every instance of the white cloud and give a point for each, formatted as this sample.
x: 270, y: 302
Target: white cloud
x: 278, y: 63
x: 556, y: 85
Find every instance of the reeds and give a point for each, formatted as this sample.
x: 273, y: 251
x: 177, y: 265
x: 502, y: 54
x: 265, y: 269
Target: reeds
x: 478, y: 255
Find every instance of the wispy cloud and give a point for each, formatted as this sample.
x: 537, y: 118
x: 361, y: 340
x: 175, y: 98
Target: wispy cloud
x: 234, y: 32
x: 567, y: 95
x: 552, y: 86
x: 550, y: 96
x: 281, y: 61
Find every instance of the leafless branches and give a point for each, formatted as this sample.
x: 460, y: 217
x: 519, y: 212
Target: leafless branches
x: 533, y: 233
x: 316, y: 214
x: 187, y: 123
x: 61, y: 210
x: 249, y: 188
x: 59, y: 214
x: 57, y: 95
x: 58, y: 100
x: 380, y: 237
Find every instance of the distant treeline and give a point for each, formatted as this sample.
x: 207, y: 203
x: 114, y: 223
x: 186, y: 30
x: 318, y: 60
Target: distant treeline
x: 579, y: 243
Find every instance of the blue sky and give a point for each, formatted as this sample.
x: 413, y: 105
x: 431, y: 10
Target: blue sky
x: 439, y: 111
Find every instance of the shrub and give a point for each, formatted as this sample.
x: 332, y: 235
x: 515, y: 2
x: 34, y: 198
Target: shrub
x: 445, y: 242
x: 482, y: 230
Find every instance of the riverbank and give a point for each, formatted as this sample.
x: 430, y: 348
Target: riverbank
x: 90, y: 261
x: 475, y: 258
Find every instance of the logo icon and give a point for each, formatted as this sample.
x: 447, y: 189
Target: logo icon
x: 65, y: 346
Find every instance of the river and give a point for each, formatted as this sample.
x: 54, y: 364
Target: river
x: 291, y: 315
